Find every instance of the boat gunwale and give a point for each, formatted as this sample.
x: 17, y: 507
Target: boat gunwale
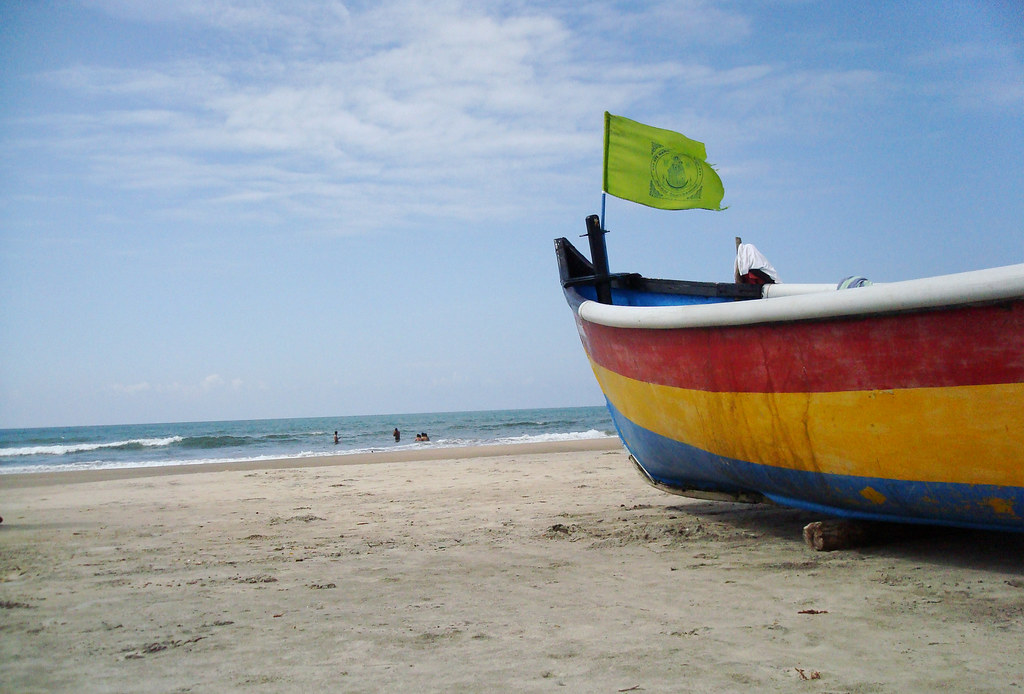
x: 978, y: 287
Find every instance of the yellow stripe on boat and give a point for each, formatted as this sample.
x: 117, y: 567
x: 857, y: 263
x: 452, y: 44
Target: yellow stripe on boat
x: 962, y: 434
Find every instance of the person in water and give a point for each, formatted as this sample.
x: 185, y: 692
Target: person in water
x: 335, y: 437
x: 398, y: 435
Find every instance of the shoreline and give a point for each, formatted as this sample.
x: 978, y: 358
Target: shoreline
x: 21, y: 480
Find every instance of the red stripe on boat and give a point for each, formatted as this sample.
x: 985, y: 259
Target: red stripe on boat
x: 939, y: 348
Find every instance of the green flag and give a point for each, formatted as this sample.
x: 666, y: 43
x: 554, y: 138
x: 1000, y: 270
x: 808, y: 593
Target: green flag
x: 658, y: 168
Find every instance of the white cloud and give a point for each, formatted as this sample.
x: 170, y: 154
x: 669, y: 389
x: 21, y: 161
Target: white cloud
x: 211, y: 382
x: 410, y: 110
x: 976, y: 75
x: 296, y: 19
x: 451, y: 100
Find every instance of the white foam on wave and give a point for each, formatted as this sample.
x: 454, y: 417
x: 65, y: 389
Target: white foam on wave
x: 439, y: 443
x: 12, y: 469
x: 65, y: 449
x: 545, y: 438
x: 500, y: 441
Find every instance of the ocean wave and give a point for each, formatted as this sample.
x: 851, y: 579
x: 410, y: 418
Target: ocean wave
x: 523, y: 424
x: 214, y: 441
x: 446, y: 442
x: 66, y: 449
x: 13, y: 468
x: 545, y: 438
x: 17, y: 468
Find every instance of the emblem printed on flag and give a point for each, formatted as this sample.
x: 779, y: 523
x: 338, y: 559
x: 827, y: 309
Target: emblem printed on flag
x: 675, y: 175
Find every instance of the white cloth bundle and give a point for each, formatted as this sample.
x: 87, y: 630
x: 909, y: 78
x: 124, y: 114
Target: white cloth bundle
x: 749, y: 258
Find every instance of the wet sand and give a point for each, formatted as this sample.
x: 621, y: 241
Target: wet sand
x: 532, y: 568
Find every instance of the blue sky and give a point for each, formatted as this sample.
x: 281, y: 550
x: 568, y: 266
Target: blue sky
x: 227, y: 209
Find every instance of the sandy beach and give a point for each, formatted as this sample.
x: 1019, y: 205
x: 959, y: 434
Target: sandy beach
x: 538, y: 568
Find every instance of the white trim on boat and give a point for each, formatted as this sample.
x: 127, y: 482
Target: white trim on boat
x: 979, y: 286
x: 769, y: 291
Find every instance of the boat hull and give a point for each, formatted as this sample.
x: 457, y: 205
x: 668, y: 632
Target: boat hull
x: 910, y: 415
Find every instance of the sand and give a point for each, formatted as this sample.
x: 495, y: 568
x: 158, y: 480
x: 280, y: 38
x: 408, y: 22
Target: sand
x: 528, y: 569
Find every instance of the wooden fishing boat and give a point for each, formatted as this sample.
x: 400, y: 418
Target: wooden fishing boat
x: 898, y: 402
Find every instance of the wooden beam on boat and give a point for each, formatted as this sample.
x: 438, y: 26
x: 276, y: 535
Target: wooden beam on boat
x: 735, y: 267
x: 831, y: 535
x: 599, y: 258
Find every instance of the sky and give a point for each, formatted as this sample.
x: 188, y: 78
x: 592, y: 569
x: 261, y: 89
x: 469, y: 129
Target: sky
x: 243, y: 209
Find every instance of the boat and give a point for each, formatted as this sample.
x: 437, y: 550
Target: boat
x: 901, y: 401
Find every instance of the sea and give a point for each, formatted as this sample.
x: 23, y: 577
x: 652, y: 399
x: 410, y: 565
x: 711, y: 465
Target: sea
x: 187, y: 443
